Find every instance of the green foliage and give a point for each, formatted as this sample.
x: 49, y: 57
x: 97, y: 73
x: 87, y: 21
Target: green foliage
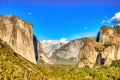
x: 72, y: 73
x: 117, y: 29
x: 101, y: 48
x: 15, y: 67
x: 107, y: 45
x: 115, y: 63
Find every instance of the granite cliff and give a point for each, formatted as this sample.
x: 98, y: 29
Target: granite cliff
x: 19, y: 35
x: 88, y: 54
x: 110, y: 39
x: 67, y: 54
x: 103, y: 51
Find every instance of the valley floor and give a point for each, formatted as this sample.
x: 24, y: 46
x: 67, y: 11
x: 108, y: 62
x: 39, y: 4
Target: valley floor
x: 15, y: 67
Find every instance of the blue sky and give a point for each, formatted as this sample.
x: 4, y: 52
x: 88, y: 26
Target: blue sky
x: 55, y: 19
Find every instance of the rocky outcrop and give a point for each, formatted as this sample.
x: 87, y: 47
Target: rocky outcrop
x: 102, y: 51
x: 110, y: 38
x: 109, y: 35
x: 88, y: 53
x: 68, y: 53
x: 49, y: 49
x: 111, y: 53
x: 19, y: 35
x: 50, y: 46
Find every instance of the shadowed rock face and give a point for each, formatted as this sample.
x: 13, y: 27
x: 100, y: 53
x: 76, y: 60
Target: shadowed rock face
x: 35, y: 42
x: 40, y: 55
x: 19, y: 35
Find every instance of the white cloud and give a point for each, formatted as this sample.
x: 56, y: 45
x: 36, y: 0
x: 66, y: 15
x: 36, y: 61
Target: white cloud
x: 62, y: 40
x: 44, y: 41
x: 116, y: 18
x: 103, y: 21
x: 108, y: 21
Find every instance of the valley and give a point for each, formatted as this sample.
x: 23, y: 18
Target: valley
x: 23, y: 58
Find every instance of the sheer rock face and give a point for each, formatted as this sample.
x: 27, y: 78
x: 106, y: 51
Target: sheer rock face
x: 104, y: 51
x: 88, y: 53
x: 110, y: 38
x: 40, y: 55
x: 19, y: 35
x: 111, y: 53
x: 68, y: 53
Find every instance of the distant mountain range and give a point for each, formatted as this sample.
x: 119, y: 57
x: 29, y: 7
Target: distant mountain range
x: 51, y: 46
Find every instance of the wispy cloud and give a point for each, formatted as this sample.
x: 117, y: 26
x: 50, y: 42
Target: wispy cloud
x: 115, y: 19
x: 62, y: 40
x: 103, y: 21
